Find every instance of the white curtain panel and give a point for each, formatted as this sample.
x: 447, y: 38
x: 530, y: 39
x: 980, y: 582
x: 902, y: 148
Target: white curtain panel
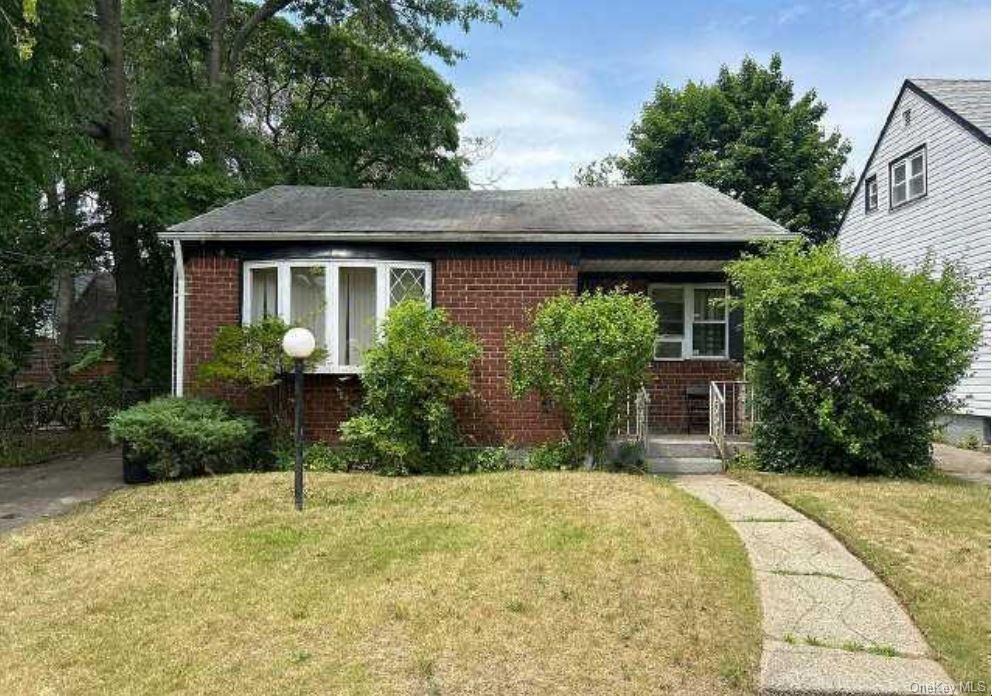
x: 356, y: 314
x: 308, y: 302
x: 264, y: 293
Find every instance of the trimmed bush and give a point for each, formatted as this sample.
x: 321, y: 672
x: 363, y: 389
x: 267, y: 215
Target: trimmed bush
x: 411, y: 376
x: 850, y: 359
x: 176, y: 437
x: 587, y: 355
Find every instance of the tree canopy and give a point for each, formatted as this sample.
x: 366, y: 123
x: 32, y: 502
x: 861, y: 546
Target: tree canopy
x: 749, y: 136
x: 121, y: 117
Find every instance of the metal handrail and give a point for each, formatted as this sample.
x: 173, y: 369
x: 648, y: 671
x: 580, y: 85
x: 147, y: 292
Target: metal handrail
x: 735, y: 422
x: 718, y: 419
x: 634, y: 421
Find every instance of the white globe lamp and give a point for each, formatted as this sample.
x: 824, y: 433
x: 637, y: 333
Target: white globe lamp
x: 298, y: 344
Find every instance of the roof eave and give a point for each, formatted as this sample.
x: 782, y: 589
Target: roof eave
x: 644, y: 237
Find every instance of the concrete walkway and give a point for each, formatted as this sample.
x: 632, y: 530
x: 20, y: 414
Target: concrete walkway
x: 964, y: 464
x: 830, y: 626
x: 28, y: 493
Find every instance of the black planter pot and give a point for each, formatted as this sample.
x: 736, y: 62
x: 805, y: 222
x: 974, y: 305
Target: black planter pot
x: 135, y: 466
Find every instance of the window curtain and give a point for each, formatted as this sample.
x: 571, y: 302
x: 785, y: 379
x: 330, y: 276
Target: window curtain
x: 356, y: 314
x: 307, y: 301
x: 264, y: 293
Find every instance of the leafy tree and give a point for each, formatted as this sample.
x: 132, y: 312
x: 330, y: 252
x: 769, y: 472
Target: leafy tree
x: 412, y: 375
x: 337, y: 111
x: 137, y: 114
x: 587, y: 355
x: 851, y: 359
x: 750, y: 137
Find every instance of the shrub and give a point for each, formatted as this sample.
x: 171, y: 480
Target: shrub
x: 851, y: 360
x: 251, y: 356
x: 551, y: 456
x: 586, y: 355
x: 412, y: 375
x: 177, y: 437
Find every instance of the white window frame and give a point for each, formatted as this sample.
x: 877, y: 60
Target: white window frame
x: 688, y: 306
x: 331, y: 284
x: 906, y: 161
x: 871, y: 194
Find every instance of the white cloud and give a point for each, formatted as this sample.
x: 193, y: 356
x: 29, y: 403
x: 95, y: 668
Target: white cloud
x: 545, y: 122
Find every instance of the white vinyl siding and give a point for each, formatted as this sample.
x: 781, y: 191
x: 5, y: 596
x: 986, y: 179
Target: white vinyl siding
x: 952, y: 221
x: 343, y: 303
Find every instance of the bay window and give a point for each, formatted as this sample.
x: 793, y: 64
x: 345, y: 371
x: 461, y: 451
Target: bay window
x: 692, y: 321
x: 341, y: 302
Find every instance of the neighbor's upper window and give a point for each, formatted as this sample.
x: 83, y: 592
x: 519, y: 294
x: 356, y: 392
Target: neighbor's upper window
x: 871, y: 193
x: 341, y: 302
x: 692, y: 321
x: 908, y: 178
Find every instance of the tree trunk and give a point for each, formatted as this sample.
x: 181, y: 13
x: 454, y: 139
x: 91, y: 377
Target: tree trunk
x: 220, y: 11
x: 117, y: 201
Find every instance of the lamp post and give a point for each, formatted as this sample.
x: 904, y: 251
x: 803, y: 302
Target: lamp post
x: 298, y: 344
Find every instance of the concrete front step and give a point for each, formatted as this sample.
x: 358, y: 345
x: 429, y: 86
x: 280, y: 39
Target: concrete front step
x: 671, y: 448
x: 684, y: 465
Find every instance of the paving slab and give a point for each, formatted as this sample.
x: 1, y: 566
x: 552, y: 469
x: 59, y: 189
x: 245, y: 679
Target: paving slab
x: 825, y: 616
x: 42, y: 490
x: 803, y: 669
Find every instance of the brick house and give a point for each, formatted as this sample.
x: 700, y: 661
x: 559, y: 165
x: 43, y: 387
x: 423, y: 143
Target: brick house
x: 334, y: 260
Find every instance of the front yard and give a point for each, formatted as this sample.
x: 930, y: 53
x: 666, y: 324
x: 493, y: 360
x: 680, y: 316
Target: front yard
x: 499, y: 583
x: 927, y: 540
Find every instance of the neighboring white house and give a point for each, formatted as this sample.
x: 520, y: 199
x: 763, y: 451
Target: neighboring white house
x: 926, y: 188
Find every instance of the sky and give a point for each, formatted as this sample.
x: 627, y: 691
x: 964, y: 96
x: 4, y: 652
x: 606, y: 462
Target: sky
x: 560, y: 84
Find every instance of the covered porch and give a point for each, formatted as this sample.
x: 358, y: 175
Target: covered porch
x: 700, y: 338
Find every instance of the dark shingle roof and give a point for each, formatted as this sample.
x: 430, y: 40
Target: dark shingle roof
x: 969, y: 99
x: 668, y: 211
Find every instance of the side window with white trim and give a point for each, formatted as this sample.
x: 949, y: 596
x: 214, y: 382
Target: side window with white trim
x: 692, y: 321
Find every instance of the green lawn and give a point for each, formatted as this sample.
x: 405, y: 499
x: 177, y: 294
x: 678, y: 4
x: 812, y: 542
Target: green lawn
x: 928, y: 540
x: 520, y: 582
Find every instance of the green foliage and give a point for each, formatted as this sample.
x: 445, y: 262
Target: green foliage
x: 851, y: 360
x: 551, y: 456
x: 328, y: 93
x: 484, y: 459
x: 411, y: 376
x: 251, y: 355
x: 586, y: 355
x: 184, y: 437
x: 748, y: 136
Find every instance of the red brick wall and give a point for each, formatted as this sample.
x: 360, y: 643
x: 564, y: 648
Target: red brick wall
x: 669, y: 408
x: 489, y: 295
x: 492, y: 295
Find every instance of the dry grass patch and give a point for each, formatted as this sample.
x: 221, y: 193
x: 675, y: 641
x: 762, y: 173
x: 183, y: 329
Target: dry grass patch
x: 503, y: 583
x: 928, y: 540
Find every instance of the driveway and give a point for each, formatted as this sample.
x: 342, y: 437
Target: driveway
x: 43, y: 490
x: 964, y: 464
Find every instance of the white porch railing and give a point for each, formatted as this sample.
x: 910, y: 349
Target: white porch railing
x: 634, y: 421
x: 731, y: 413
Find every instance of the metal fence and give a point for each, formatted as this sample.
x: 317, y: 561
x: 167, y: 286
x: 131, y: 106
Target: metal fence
x: 75, y: 411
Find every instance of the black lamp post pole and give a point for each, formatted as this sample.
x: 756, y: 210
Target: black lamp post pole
x: 298, y: 473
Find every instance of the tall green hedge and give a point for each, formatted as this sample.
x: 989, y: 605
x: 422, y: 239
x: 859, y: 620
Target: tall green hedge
x: 851, y: 359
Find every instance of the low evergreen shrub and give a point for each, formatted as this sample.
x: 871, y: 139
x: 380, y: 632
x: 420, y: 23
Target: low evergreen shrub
x: 178, y: 437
